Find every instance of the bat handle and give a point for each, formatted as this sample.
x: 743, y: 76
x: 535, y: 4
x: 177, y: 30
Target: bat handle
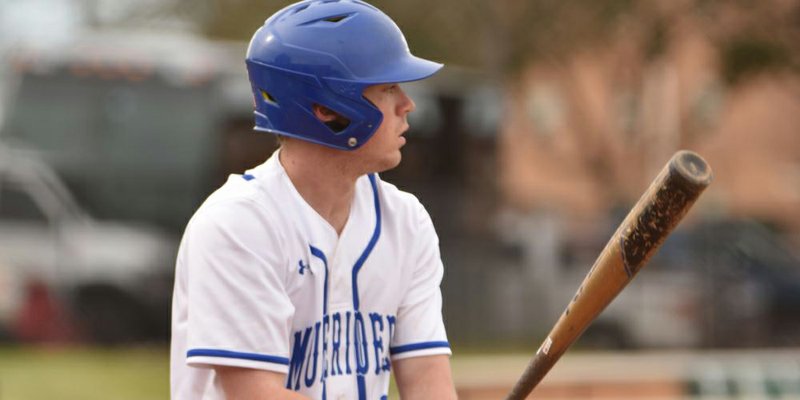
x: 537, y: 368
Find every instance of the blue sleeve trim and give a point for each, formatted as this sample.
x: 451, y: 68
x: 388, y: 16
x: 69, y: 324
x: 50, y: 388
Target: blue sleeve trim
x: 236, y: 354
x: 417, y: 346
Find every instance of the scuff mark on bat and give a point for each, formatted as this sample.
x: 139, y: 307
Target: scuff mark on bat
x: 656, y: 221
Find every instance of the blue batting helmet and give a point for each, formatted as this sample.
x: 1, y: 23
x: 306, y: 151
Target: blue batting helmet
x: 327, y: 52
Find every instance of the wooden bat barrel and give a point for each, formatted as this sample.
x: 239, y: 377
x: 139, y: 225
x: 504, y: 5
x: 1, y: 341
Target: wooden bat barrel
x: 662, y: 206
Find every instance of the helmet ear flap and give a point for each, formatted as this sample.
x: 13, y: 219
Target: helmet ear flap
x: 299, y: 105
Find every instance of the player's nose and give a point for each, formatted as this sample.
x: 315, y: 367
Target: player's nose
x: 407, y: 104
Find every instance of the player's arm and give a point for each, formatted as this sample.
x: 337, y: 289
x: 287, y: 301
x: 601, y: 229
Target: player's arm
x: 423, y: 378
x: 254, y: 384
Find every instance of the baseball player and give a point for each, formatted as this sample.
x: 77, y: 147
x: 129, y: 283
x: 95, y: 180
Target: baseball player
x: 308, y: 276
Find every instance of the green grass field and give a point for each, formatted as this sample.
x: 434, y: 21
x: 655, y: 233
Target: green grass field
x: 84, y: 374
x: 87, y: 373
x: 141, y: 373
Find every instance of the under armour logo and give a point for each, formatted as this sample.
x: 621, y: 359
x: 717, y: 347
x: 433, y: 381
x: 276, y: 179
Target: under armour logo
x: 302, y: 267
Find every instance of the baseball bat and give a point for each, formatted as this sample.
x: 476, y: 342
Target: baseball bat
x: 638, y: 237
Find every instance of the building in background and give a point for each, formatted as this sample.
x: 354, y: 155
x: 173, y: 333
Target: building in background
x: 584, y: 135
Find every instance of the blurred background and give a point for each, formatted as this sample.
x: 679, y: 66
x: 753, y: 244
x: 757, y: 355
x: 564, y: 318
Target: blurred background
x: 118, y: 117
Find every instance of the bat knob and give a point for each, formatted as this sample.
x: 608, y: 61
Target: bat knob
x: 691, y: 167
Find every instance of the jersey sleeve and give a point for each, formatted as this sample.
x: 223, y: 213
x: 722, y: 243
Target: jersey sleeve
x: 238, y: 311
x: 420, y: 329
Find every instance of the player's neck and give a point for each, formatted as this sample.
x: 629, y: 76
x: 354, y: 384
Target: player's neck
x: 323, y: 178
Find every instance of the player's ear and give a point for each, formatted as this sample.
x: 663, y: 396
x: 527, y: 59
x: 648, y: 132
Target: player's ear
x: 331, y: 118
x: 323, y: 113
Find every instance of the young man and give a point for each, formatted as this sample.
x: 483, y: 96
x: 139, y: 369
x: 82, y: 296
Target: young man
x: 307, y: 276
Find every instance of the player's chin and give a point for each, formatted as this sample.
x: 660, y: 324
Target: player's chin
x: 390, y: 161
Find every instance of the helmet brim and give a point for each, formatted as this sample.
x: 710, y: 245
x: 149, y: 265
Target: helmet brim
x: 411, y: 68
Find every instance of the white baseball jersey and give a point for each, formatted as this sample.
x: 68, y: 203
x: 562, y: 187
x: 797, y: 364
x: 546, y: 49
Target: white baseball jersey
x: 264, y: 282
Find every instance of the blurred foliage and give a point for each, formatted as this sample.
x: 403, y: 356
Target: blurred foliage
x: 746, y: 56
x: 500, y: 36
x: 481, y: 34
x: 756, y: 37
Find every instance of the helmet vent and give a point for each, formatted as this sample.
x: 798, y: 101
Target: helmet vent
x: 268, y: 97
x: 327, y: 21
x: 300, y: 8
x: 336, y: 19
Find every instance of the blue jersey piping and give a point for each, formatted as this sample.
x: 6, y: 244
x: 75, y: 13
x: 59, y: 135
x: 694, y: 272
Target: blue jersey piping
x: 372, y: 241
x: 376, y: 234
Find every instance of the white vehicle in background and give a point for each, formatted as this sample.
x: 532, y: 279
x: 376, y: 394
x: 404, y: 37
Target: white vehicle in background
x: 112, y: 279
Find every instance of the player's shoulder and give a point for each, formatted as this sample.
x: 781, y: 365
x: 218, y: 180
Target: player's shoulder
x: 398, y: 201
x: 405, y: 217
x: 391, y: 193
x: 243, y: 200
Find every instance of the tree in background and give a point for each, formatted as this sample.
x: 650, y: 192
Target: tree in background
x: 501, y: 36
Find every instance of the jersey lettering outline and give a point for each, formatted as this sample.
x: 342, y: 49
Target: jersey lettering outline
x: 308, y: 364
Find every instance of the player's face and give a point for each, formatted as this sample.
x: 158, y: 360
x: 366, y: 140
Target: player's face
x: 382, y: 151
